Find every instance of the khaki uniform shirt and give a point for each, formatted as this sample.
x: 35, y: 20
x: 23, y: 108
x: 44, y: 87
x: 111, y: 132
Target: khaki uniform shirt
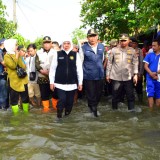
x: 122, y: 64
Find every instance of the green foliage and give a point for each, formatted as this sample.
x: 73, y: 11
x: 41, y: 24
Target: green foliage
x: 112, y: 17
x: 38, y: 42
x: 21, y: 40
x: 77, y: 34
x: 7, y: 28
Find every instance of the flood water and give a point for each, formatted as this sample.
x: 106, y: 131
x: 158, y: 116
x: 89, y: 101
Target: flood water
x: 115, y: 135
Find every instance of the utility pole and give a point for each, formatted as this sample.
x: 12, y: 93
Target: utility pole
x: 14, y: 12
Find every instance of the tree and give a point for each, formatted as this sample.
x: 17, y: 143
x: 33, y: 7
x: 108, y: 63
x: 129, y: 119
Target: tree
x: 77, y: 34
x: 38, y: 42
x: 112, y: 17
x: 7, y: 28
x: 21, y: 40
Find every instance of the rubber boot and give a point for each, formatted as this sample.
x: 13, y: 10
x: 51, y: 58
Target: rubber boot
x: 94, y: 109
x: 131, y: 106
x: 15, y: 109
x: 32, y: 102
x: 25, y: 107
x: 54, y: 103
x: 45, y: 105
x: 39, y: 101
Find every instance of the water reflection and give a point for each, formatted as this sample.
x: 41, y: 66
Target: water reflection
x: 115, y: 135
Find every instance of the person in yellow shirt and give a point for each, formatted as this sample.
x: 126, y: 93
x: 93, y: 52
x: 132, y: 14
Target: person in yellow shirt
x: 17, y: 86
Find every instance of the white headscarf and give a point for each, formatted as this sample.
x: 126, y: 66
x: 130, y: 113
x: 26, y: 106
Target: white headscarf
x: 10, y: 45
x: 67, y: 39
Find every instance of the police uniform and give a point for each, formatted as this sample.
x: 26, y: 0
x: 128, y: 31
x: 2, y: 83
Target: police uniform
x: 122, y: 65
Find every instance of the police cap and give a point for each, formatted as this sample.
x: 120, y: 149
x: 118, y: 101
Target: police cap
x: 124, y: 37
x: 46, y: 39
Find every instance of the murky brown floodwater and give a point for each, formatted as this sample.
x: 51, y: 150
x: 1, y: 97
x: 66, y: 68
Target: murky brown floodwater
x: 115, y: 135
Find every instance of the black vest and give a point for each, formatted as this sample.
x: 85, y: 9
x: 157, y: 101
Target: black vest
x: 66, y: 71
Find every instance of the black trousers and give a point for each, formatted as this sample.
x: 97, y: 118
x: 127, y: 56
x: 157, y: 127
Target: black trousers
x: 94, y: 91
x: 46, y: 93
x: 65, y: 100
x: 14, y: 96
x: 118, y: 88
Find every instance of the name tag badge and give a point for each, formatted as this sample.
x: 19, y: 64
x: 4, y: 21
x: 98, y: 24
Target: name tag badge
x: 61, y: 58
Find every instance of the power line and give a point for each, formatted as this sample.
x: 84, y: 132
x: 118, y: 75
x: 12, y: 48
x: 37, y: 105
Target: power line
x: 26, y: 18
x: 30, y: 5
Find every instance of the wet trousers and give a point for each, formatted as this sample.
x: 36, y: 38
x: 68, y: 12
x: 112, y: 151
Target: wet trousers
x: 65, y: 100
x: 118, y: 88
x: 94, y: 91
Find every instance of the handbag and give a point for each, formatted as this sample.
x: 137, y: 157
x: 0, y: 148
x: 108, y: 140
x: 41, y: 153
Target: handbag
x: 32, y: 76
x: 21, y: 72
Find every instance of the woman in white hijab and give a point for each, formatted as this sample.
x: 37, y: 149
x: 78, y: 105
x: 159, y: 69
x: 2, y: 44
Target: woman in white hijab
x: 17, y: 86
x: 65, y: 73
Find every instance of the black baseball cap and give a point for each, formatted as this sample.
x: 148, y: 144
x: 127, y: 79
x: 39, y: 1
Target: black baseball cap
x: 92, y: 32
x: 46, y: 39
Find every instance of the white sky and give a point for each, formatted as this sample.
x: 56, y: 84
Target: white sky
x: 54, y: 18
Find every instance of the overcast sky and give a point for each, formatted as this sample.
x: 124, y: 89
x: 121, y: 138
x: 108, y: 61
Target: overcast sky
x: 36, y: 18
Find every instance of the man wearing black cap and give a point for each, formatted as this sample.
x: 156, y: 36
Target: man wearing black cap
x: 43, y: 61
x: 3, y: 85
x: 92, y: 54
x: 121, y: 68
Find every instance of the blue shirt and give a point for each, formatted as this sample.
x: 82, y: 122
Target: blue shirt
x: 152, y: 60
x: 1, y: 59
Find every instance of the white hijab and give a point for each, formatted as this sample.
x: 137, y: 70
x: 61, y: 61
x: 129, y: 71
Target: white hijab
x: 67, y: 39
x: 10, y: 45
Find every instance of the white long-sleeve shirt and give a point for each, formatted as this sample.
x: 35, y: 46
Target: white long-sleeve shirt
x: 66, y: 87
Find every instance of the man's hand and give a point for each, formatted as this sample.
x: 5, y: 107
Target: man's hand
x: 153, y: 75
x: 135, y: 79
x: 52, y: 87
x: 80, y: 87
x: 108, y: 79
x: 44, y: 72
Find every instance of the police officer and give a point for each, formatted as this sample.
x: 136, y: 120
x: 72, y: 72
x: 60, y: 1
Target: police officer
x: 92, y: 54
x: 122, y: 69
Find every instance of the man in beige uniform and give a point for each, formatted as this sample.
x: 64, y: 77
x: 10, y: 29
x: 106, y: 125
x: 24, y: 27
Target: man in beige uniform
x: 122, y: 69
